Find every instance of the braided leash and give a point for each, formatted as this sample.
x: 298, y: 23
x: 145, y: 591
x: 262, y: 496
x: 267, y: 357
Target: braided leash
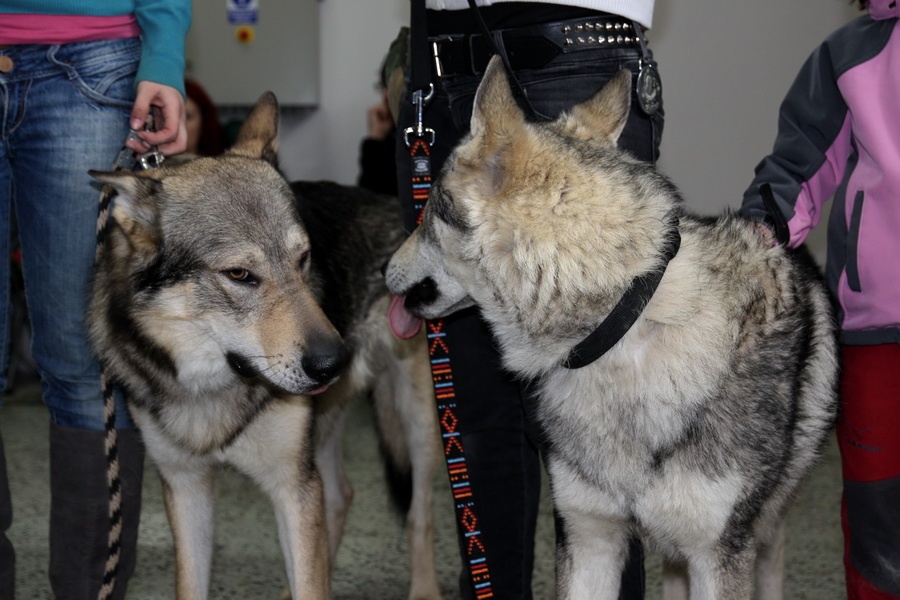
x: 125, y: 160
x: 115, y: 492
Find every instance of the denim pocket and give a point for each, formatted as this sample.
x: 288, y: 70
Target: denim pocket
x: 102, y: 72
x: 565, y: 83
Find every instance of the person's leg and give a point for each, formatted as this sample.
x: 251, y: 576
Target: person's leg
x: 867, y: 427
x: 79, y: 517
x: 7, y: 554
x: 503, y: 463
x: 75, y: 117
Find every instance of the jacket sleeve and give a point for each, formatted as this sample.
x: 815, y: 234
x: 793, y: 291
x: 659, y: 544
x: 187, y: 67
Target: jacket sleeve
x: 164, y: 27
x: 810, y: 153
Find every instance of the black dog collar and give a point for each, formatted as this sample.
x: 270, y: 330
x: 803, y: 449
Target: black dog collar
x: 626, y: 312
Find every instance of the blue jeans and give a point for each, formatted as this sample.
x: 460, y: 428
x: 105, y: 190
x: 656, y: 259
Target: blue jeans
x: 501, y: 442
x: 65, y: 110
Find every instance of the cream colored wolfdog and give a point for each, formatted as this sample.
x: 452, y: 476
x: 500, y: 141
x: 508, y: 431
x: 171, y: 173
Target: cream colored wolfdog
x: 690, y: 426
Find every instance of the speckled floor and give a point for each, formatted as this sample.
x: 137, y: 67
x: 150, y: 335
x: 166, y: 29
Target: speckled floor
x: 372, y: 560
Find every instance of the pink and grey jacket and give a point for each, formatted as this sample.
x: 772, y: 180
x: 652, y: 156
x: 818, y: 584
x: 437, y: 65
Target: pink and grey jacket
x: 839, y: 137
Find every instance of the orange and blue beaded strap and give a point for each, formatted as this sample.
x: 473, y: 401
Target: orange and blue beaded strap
x: 419, y: 141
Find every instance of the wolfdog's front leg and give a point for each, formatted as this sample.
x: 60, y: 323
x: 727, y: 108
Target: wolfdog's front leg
x: 338, y: 492
x: 189, y: 496
x: 590, y: 558
x: 301, y: 530
x: 717, y: 574
x: 276, y: 451
x: 592, y: 547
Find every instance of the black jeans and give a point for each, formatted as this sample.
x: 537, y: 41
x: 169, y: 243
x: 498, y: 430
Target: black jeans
x: 501, y: 443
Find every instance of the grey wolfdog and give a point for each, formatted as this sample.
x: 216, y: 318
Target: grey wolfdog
x: 227, y: 303
x: 694, y: 430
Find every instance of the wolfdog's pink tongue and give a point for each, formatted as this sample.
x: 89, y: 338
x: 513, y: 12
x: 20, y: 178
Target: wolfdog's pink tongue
x: 404, y: 324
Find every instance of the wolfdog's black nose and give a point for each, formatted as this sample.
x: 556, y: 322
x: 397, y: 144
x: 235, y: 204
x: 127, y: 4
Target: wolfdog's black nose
x: 325, y: 363
x: 422, y: 294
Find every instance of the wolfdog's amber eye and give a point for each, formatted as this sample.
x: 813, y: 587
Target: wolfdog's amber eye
x: 241, y: 275
x: 304, y: 259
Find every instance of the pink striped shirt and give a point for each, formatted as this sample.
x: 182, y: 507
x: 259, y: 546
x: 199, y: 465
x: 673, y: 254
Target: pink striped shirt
x: 63, y: 29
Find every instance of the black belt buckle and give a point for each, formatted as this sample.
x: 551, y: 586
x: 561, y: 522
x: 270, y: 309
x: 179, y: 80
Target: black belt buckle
x: 436, y: 46
x: 461, y: 55
x: 469, y: 54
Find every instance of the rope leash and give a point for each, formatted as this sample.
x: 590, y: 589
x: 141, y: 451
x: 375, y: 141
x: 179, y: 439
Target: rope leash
x: 125, y: 160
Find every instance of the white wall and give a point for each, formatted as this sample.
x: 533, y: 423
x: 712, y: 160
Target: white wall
x: 355, y: 36
x: 726, y: 65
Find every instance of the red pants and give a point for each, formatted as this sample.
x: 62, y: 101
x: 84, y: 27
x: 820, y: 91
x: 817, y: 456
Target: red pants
x: 868, y: 432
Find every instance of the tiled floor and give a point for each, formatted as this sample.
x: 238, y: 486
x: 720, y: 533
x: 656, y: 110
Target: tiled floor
x: 372, y: 561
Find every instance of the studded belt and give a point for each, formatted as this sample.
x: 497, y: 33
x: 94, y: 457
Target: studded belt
x: 531, y: 47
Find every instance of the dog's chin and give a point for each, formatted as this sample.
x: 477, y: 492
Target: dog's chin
x: 248, y: 372
x: 461, y: 304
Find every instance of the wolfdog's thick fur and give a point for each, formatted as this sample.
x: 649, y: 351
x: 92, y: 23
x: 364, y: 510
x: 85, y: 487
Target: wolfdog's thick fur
x: 696, y: 428
x: 227, y: 303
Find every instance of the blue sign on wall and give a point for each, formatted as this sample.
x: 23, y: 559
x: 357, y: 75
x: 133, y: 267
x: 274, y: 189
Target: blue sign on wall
x: 242, y: 12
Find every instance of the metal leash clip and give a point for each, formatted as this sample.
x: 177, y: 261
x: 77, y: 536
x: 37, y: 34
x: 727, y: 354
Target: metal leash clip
x: 420, y: 100
x: 128, y: 160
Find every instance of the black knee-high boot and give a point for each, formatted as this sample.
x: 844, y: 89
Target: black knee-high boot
x: 79, y: 510
x: 7, y: 555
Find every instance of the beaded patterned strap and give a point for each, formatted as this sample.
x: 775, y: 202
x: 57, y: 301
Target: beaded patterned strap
x: 444, y: 393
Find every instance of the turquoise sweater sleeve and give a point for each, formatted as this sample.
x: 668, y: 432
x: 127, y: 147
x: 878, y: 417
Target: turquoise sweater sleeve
x: 164, y: 25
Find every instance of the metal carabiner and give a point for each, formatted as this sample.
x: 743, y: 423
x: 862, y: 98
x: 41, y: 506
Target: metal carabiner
x: 419, y: 129
x: 127, y: 159
x: 151, y: 160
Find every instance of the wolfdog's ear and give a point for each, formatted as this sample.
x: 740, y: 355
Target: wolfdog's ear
x: 258, y: 137
x: 495, y: 114
x: 134, y: 207
x: 606, y: 112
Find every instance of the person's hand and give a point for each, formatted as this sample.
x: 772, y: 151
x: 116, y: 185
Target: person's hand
x: 380, y: 121
x: 767, y: 233
x: 167, y: 105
